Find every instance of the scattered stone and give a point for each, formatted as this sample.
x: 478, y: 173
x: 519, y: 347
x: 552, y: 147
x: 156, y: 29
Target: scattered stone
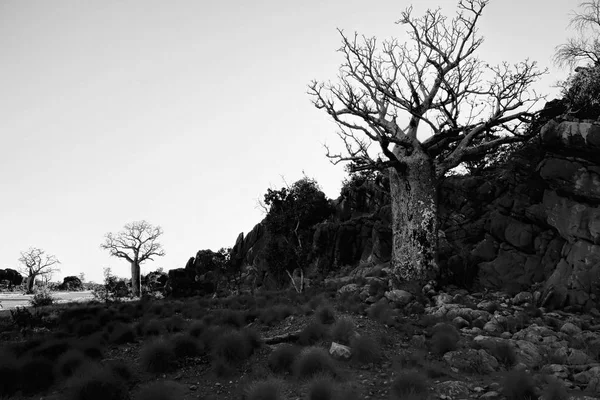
x: 460, y: 322
x: 339, y: 351
x: 349, y: 288
x: 452, y: 389
x: 471, y: 360
x: 570, y: 329
x: 523, y: 297
x: 399, y: 296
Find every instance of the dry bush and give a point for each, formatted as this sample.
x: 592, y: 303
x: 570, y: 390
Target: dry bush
x: 410, y: 384
x: 365, y: 350
x: 157, y: 356
x: 312, y: 333
x: 281, y: 360
x: 270, y: 389
x: 314, y: 361
x: 325, y: 314
x: 343, y: 330
x: 519, y: 385
x: 96, y: 383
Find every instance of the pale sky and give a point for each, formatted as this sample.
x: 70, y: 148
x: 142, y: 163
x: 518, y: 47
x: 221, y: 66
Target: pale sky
x: 184, y: 112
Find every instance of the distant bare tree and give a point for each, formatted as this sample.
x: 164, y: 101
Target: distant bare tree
x: 391, y: 92
x: 586, y: 47
x: 136, y: 243
x: 35, y: 262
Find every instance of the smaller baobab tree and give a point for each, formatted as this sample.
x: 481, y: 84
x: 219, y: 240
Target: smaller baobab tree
x: 136, y: 243
x: 37, y: 263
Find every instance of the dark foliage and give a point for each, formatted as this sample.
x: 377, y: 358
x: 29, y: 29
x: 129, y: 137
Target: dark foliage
x: 314, y: 361
x: 282, y: 359
x: 519, y: 385
x: 325, y: 314
x: 185, y: 345
x: 409, y: 384
x: 9, y: 371
x: 164, y: 390
x: 293, y: 211
x: 97, y: 383
x: 343, y: 330
x: 36, y: 375
x: 365, y: 350
x: 122, y: 333
x: 232, y: 347
x: 69, y: 363
x: 312, y: 333
x: 581, y: 92
x: 269, y: 389
x: 444, y: 339
x: 505, y: 354
x: 157, y: 357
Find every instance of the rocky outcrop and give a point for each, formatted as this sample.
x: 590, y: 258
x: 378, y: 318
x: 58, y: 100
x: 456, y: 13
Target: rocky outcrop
x: 155, y: 281
x: 533, y: 221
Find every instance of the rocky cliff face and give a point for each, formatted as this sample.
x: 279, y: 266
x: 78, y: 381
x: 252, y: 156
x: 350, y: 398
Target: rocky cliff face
x: 534, y: 221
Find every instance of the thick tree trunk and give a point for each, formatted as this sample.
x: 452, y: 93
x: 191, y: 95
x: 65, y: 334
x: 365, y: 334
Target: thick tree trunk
x: 136, y: 284
x: 414, y: 219
x: 30, y: 282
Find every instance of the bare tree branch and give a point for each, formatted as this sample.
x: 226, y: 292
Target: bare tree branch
x: 433, y: 80
x: 586, y: 47
x: 137, y: 242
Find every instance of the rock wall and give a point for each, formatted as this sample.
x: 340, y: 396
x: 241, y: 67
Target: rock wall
x: 532, y: 222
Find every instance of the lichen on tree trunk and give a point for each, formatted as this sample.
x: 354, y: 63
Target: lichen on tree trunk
x: 414, y: 219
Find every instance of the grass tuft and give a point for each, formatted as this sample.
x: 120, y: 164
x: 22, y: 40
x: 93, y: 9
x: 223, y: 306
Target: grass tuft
x: 232, y: 347
x: 365, y: 350
x: 36, y: 375
x: 269, y: 389
x: 410, y: 384
x: 322, y: 388
x: 122, y: 333
x: 519, y: 385
x: 9, y: 371
x: 157, y: 356
x: 97, y: 383
x: 312, y: 333
x: 445, y: 338
x: 185, y: 345
x: 282, y: 359
x: 325, y: 314
x: 343, y: 330
x: 505, y: 354
x: 314, y: 361
x: 69, y: 363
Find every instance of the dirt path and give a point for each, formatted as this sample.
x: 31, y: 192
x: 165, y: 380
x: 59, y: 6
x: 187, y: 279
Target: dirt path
x: 10, y: 301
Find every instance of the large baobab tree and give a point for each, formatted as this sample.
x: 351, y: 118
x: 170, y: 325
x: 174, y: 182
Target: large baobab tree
x: 36, y: 262
x: 428, y: 104
x: 584, y: 48
x: 136, y: 243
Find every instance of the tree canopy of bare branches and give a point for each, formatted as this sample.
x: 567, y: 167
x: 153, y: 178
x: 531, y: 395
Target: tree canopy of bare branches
x: 36, y: 262
x: 136, y: 243
x: 584, y: 48
x: 436, y: 80
x: 428, y: 104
